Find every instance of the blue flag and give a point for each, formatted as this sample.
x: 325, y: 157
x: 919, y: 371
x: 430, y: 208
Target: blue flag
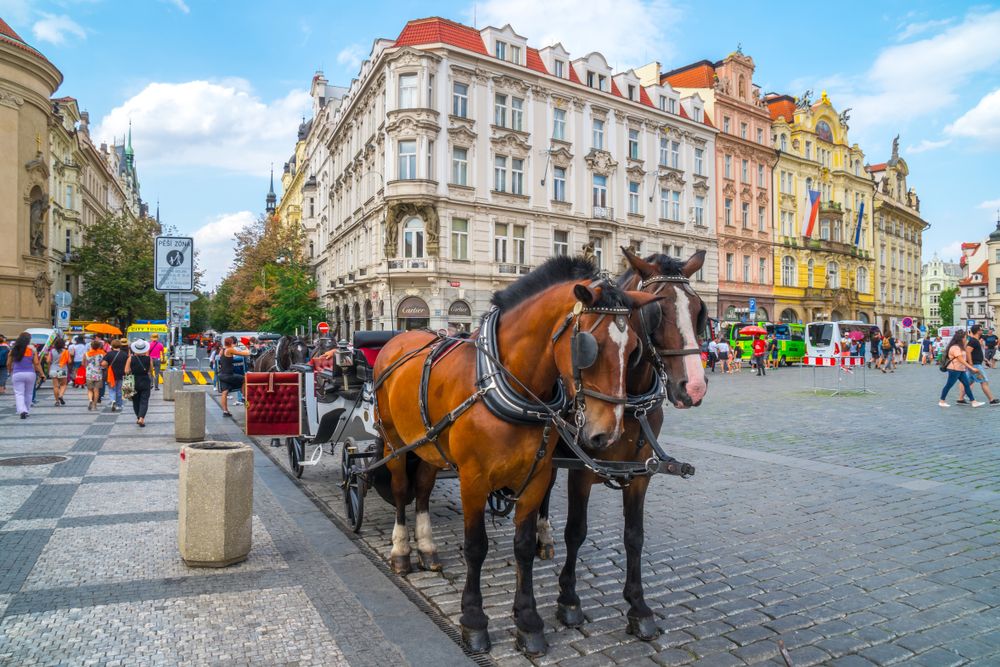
x: 857, y: 231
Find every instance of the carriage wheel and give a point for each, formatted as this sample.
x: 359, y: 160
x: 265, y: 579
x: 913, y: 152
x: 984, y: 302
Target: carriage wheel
x: 355, y: 488
x: 296, y: 453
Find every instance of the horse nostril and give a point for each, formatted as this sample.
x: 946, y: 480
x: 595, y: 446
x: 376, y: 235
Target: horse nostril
x: 599, y: 440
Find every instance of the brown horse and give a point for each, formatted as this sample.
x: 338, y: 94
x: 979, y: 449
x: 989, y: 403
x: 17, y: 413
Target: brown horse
x: 559, y: 326
x: 670, y: 345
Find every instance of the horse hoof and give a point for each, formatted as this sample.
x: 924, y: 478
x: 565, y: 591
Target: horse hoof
x: 429, y: 561
x: 643, y: 627
x: 570, y: 615
x: 476, y: 641
x: 401, y: 564
x: 545, y: 551
x: 531, y: 644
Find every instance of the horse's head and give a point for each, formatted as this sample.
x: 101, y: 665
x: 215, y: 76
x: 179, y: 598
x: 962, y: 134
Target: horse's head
x: 298, y: 351
x: 673, y: 324
x: 593, y: 347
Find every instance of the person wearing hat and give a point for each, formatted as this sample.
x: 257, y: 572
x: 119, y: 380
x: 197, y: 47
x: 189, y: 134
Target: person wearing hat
x: 156, y: 356
x: 140, y: 366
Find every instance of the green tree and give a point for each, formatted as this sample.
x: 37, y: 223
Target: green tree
x: 293, y: 300
x: 946, y: 301
x: 220, y: 315
x: 116, y: 268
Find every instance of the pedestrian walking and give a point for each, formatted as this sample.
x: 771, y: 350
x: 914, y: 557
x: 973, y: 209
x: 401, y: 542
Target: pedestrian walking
x: 60, y: 360
x: 888, y: 354
x: 759, y: 349
x: 926, y: 354
x: 990, y: 341
x: 737, y: 357
x: 4, y: 373
x: 95, y: 373
x: 114, y: 363
x: 977, y: 356
x: 24, y: 367
x: 156, y: 357
x: 722, y: 352
x: 228, y: 379
x: 139, y: 366
x: 954, y: 362
x: 772, y: 352
x: 713, y: 354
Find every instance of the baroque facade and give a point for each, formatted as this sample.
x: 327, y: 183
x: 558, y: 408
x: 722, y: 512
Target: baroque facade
x: 743, y: 162
x: 972, y: 305
x: 936, y: 276
x: 830, y: 274
x: 461, y: 158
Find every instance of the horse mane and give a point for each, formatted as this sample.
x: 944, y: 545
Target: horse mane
x: 665, y: 266
x: 555, y: 270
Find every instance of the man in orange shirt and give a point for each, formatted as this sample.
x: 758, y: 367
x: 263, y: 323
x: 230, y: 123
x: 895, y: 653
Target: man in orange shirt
x: 759, y: 348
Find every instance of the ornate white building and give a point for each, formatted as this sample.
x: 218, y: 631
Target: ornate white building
x: 935, y: 277
x: 461, y: 158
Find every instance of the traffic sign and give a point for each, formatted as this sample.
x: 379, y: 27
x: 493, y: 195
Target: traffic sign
x: 907, y: 322
x: 971, y: 323
x: 173, y: 269
x: 323, y: 328
x: 63, y: 299
x: 182, y: 297
x: 62, y: 318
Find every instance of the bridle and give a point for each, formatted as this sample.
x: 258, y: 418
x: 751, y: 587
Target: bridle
x: 659, y: 351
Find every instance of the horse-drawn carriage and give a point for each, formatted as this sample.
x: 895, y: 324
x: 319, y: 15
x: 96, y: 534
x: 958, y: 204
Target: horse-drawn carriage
x: 568, y: 370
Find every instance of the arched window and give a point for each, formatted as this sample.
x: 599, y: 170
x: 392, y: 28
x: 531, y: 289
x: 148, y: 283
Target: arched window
x: 413, y: 238
x: 743, y: 87
x: 811, y: 273
x: 935, y: 287
x: 789, y: 315
x: 862, y: 279
x: 832, y: 275
x: 784, y: 143
x: 863, y: 316
x: 788, y: 271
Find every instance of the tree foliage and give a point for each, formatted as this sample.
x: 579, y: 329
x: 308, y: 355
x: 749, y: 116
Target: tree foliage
x: 946, y: 302
x: 116, y: 267
x: 294, y: 301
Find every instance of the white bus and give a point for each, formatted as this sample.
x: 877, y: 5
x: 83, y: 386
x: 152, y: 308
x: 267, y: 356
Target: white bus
x: 825, y: 339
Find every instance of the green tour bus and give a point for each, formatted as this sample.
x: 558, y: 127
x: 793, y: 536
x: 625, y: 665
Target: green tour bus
x: 791, y: 339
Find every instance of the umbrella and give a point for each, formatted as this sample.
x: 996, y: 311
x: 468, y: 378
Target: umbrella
x: 104, y: 328
x: 753, y: 330
x: 855, y: 335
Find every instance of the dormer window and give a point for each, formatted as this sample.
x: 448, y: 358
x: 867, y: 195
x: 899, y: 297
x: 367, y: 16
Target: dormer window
x: 672, y: 105
x: 631, y: 92
x: 515, y: 54
x: 500, y: 49
x: 602, y: 82
x: 559, y: 67
x: 699, y: 115
x: 591, y: 79
x: 663, y: 102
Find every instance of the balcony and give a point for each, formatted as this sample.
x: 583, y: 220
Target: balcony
x: 830, y: 207
x: 513, y: 269
x: 603, y: 213
x: 412, y: 264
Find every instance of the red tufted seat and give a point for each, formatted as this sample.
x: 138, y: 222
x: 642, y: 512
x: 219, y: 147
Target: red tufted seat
x: 273, y: 403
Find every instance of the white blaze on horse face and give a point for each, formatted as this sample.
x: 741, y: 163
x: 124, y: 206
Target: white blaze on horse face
x: 425, y: 540
x: 620, y: 338
x: 696, y: 386
x: 400, y: 540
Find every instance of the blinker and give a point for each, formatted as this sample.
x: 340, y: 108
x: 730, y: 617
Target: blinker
x: 584, y: 350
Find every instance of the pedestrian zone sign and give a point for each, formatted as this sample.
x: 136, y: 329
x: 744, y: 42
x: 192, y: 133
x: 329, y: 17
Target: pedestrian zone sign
x: 173, y: 269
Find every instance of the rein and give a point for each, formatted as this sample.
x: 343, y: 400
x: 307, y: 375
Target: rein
x: 663, y: 352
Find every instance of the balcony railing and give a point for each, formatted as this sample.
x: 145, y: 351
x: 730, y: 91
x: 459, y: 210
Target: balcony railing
x: 513, y: 269
x: 416, y: 264
x: 604, y: 213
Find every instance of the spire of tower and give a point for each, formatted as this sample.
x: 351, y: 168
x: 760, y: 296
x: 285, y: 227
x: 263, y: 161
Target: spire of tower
x: 272, y: 199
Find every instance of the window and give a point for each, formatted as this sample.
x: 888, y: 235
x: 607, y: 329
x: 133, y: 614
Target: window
x: 730, y: 258
x: 809, y: 150
x: 663, y: 103
x: 519, y: 245
x: 413, y: 238
x: 743, y: 130
x: 672, y: 108
x: 459, y: 239
x: 745, y: 215
x: 500, y: 242
x: 745, y: 171
x: 699, y: 211
x: 430, y: 159
x: 664, y: 151
x: 559, y: 124
x: 761, y: 219
x: 832, y: 275
x: 699, y: 115
x: 633, y: 197
x: 559, y: 67
x: 407, y: 167
x: 760, y: 135
x: 762, y: 271
x: 69, y: 196
x: 727, y: 168
x: 500, y: 110
x: 675, y: 205
x: 633, y: 144
x: 560, y: 242
x: 591, y: 77
x: 788, y: 271
x: 460, y: 100
x: 516, y: 113
x: 746, y: 268
x: 811, y: 273
x: 559, y: 183
x: 517, y: 176
x: 515, y: 54
x: 500, y: 50
x: 725, y: 124
x: 824, y: 230
x: 69, y: 240
x: 598, y: 243
x: 675, y: 154
x: 728, y: 211
x: 664, y: 203
x: 430, y: 91
x: 784, y: 142
x: 460, y: 166
x: 760, y: 176
x: 407, y: 91
x: 500, y: 173
x: 861, y: 279
x: 598, y: 135
x: 600, y: 190
x: 631, y: 91
x: 699, y: 161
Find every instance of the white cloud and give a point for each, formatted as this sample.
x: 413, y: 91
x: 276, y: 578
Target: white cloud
x: 950, y: 252
x: 981, y: 122
x: 215, y: 245
x: 15, y: 11
x: 56, y: 28
x: 628, y: 33
x: 919, y: 28
x: 351, y: 56
x: 220, y: 125
x: 927, y: 145
x: 181, y: 5
x: 990, y: 204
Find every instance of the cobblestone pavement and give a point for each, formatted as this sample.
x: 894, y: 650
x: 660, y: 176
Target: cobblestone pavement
x: 90, y: 571
x: 856, y: 529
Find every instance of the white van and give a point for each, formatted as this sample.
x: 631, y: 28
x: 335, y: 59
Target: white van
x: 823, y: 339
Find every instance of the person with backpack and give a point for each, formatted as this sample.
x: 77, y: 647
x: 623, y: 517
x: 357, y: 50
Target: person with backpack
x: 60, y: 360
x: 114, y: 362
x: 95, y: 373
x: 888, y: 356
x: 228, y: 379
x: 953, y: 362
x: 139, y: 366
x: 4, y: 353
x: 977, y: 357
x: 24, y: 367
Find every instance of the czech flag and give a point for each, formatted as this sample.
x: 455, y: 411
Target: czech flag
x: 812, y: 212
x: 857, y: 230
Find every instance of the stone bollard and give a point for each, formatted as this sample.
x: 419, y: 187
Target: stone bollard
x: 216, y: 503
x: 173, y: 380
x: 189, y: 415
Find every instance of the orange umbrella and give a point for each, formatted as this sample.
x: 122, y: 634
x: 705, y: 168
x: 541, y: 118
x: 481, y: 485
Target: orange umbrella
x: 104, y: 328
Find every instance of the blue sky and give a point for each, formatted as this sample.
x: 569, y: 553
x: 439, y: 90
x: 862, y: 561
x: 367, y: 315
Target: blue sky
x: 216, y: 89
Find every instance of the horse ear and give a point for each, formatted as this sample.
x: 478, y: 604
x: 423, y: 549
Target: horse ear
x: 694, y: 264
x: 640, y: 299
x: 641, y: 266
x: 586, y: 294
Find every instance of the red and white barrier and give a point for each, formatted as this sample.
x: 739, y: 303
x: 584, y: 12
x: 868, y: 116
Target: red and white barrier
x: 833, y: 361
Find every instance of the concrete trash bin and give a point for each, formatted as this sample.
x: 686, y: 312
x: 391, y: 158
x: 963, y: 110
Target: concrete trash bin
x: 215, y: 511
x: 173, y: 380
x: 189, y: 415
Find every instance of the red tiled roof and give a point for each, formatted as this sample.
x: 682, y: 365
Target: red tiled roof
x: 573, y: 77
x: 7, y: 31
x: 982, y: 271
x: 535, y: 61
x: 644, y: 97
x: 436, y: 30
x: 875, y: 167
x: 970, y: 245
x: 781, y: 105
x: 614, y: 89
x: 696, y: 75
x: 8, y: 35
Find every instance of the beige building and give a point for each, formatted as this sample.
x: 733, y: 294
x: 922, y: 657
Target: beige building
x: 461, y: 158
x: 27, y: 81
x: 993, y: 268
x: 936, y: 276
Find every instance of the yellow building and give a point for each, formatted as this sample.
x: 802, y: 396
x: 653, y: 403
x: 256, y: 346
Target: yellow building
x: 293, y: 177
x: 826, y: 276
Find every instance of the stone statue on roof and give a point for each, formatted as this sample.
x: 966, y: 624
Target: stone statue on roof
x: 805, y: 101
x: 895, y: 149
x: 845, y: 116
